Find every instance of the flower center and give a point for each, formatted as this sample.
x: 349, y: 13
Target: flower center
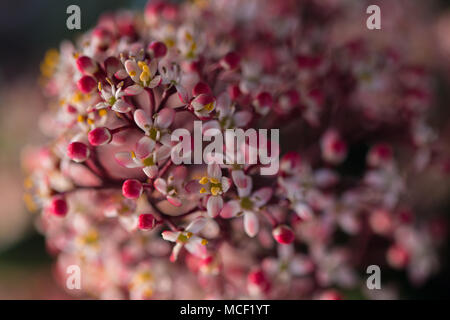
x: 246, y: 203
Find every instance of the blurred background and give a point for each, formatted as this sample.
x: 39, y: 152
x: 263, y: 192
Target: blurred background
x: 27, y: 30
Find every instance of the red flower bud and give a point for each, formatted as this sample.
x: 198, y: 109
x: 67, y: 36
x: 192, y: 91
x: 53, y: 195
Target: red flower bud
x: 379, y: 154
x: 158, y: 49
x: 86, y: 65
x: 258, y: 282
x: 234, y: 91
x: 58, y: 206
x: 78, y: 151
x: 99, y: 136
x: 200, y: 88
x: 132, y: 189
x: 87, y: 84
x: 230, y: 61
x: 283, y: 234
x: 146, y: 221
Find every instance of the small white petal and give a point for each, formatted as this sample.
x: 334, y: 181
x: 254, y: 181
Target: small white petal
x: 251, y: 224
x: 214, y: 205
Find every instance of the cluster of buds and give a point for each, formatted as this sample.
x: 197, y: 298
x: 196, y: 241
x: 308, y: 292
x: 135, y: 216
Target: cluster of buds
x: 140, y: 226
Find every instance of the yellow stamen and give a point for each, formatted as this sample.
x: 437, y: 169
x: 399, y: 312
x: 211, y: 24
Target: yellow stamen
x: 133, y: 155
x: 145, y: 76
x: 90, y: 121
x: 77, y: 97
x: 102, y: 112
x: 189, y: 235
x: 100, y: 86
x: 132, y: 73
x: 169, y: 43
x: 141, y: 64
x: 204, y: 242
x: 29, y: 202
x: 203, y: 190
x: 80, y: 118
x: 215, y: 191
x: 28, y: 183
x: 203, y: 180
x: 209, y: 106
x: 214, y: 180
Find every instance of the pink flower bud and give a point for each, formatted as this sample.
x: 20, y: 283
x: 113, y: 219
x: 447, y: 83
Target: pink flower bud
x: 87, y: 84
x: 257, y: 282
x: 330, y: 295
x: 380, y: 154
x: 397, y: 257
x: 78, y: 151
x: 101, y: 38
x: 290, y: 162
x: 283, y: 234
x: 234, y: 91
x: 200, y: 88
x: 132, y: 189
x: 146, y: 221
x: 381, y: 221
x: 334, y: 149
x: 58, y: 206
x: 263, y: 102
x: 86, y: 65
x: 99, y: 136
x: 204, y: 101
x: 230, y: 61
x: 158, y: 49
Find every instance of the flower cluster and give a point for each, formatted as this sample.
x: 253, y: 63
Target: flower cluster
x: 142, y: 227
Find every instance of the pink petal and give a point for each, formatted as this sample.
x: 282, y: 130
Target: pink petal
x: 174, y: 201
x: 121, y: 74
x: 133, y: 90
x: 262, y: 196
x: 156, y: 81
x: 142, y: 119
x: 122, y: 106
x: 245, y: 191
x: 239, y: 178
x: 160, y: 185
x: 182, y: 94
x: 170, y: 236
x: 153, y: 67
x: 226, y: 184
x: 242, y: 118
x: 214, y: 205
x: 162, y: 153
x: 251, y: 224
x: 132, y: 66
x: 230, y: 209
x: 165, y: 118
x: 151, y: 171
x: 175, y: 251
x: 144, y: 147
x: 126, y: 160
x: 303, y: 211
x: 196, y: 225
x: 196, y: 247
x: 214, y: 171
x: 165, y: 140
